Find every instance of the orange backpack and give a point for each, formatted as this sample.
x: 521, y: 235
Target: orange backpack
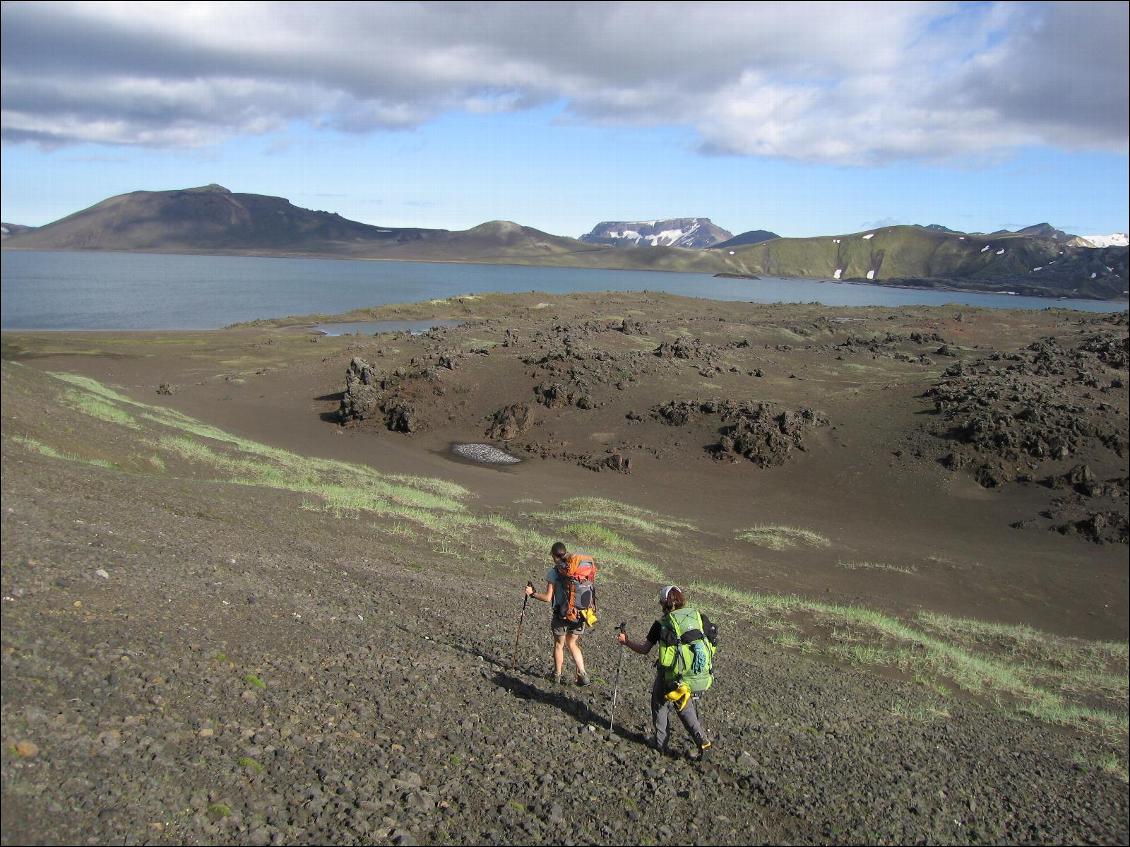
x: 578, y: 577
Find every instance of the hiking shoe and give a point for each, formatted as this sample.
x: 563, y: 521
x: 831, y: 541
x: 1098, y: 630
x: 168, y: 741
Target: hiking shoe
x: 583, y: 680
x: 555, y: 678
x: 702, y: 748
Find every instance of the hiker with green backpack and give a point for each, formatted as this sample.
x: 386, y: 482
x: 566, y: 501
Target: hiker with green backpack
x: 684, y: 668
x: 571, y: 592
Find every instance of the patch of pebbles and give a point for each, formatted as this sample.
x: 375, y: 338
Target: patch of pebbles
x: 485, y: 453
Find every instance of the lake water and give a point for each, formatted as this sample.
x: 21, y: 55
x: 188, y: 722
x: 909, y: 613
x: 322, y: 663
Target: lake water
x: 78, y: 290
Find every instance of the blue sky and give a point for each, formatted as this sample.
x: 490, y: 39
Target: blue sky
x: 976, y: 116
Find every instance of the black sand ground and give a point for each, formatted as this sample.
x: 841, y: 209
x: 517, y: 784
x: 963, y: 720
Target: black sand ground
x: 193, y: 661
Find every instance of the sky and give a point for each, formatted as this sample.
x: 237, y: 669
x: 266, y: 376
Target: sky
x: 799, y: 118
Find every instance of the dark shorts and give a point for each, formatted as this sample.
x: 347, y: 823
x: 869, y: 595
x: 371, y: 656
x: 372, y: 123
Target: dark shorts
x: 562, y: 627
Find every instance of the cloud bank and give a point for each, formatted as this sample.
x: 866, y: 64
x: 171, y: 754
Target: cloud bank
x: 842, y: 83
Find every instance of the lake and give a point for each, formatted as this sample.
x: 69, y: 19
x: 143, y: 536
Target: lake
x: 135, y: 291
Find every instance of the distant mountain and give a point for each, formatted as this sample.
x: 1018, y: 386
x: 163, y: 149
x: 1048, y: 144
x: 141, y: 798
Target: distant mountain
x: 754, y: 236
x: 1116, y: 239
x: 1044, y: 230
x: 213, y: 220
x: 691, y: 233
x: 13, y: 229
x: 934, y: 257
x: 207, y: 219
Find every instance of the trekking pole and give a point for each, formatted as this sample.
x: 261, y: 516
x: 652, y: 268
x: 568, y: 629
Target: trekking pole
x: 517, y: 638
x: 616, y: 686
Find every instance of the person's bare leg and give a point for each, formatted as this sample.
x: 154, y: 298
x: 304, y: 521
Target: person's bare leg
x: 574, y: 645
x: 558, y: 654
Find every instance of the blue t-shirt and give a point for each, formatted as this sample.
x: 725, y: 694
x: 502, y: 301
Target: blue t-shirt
x: 560, y: 593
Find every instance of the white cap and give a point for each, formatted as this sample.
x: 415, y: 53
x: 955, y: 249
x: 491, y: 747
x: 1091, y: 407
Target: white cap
x: 663, y: 592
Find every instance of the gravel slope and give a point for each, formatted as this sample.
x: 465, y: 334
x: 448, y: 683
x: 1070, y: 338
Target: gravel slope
x: 248, y: 671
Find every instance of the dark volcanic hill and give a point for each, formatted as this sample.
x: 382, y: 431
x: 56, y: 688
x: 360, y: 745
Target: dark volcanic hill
x: 212, y: 219
x: 209, y: 219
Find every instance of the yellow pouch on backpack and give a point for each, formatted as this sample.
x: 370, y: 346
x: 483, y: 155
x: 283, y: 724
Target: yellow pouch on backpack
x: 680, y: 695
x: 589, y: 616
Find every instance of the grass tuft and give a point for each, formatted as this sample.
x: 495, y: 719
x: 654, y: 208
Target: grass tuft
x: 951, y: 654
x: 878, y: 566
x: 602, y: 511
x: 593, y: 533
x: 782, y: 537
x: 48, y: 450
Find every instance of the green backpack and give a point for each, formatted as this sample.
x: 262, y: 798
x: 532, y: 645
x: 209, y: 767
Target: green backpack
x: 681, y: 629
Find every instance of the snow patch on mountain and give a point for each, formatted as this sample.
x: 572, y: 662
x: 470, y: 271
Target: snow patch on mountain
x: 1116, y: 239
x: 694, y: 233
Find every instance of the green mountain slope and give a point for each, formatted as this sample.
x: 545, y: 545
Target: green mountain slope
x: 901, y: 254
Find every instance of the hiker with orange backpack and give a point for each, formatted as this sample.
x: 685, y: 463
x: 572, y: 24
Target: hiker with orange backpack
x: 684, y: 668
x: 571, y: 592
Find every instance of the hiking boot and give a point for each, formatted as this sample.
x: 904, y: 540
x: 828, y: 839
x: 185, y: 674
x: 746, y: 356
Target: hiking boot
x: 583, y: 680
x: 555, y: 678
x: 702, y: 748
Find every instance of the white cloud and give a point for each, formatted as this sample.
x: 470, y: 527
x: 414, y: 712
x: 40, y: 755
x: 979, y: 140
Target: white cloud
x: 856, y: 83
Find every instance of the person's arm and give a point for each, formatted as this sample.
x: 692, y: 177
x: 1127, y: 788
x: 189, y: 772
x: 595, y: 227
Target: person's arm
x: 641, y: 647
x: 546, y: 597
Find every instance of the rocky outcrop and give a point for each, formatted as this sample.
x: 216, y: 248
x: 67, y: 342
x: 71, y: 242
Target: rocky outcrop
x: 510, y: 421
x: 613, y: 461
x: 361, y: 399
x: 1022, y: 416
x: 676, y: 412
x: 1044, y: 403
x: 1099, y: 527
x: 557, y: 394
x: 369, y: 395
x: 759, y: 432
x: 680, y: 348
x: 401, y: 416
x: 765, y: 435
